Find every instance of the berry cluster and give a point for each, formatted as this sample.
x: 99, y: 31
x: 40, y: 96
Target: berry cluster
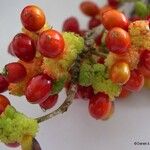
x: 110, y: 65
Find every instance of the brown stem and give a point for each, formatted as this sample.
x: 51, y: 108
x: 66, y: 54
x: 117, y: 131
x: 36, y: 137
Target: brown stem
x: 63, y: 108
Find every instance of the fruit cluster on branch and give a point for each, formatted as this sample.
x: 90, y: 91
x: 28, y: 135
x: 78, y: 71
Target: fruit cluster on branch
x: 107, y: 61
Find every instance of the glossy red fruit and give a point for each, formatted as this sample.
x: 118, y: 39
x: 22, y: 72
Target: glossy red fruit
x: 99, y: 106
x: 10, y: 50
x: 118, y: 41
x: 136, y: 81
x: 145, y: 59
x: 38, y: 89
x: 94, y: 22
x: 114, y: 18
x: 113, y: 3
x: 13, y: 145
x: 148, y: 18
x: 50, y: 43
x: 4, y: 102
x: 84, y: 92
x: 15, y: 72
x: 101, y: 60
x: 98, y: 39
x: 23, y: 47
x: 89, y: 8
x: 104, y: 9
x: 71, y: 25
x: 120, y: 72
x: 144, y: 70
x: 32, y: 18
x: 49, y: 102
x: 124, y: 93
x: 3, y: 84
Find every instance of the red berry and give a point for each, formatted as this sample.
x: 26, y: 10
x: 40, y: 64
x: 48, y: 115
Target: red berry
x: 49, y: 102
x: 98, y: 39
x: 99, y: 106
x: 71, y: 25
x: 148, y: 18
x: 4, y: 102
x: 50, y: 43
x: 124, y: 93
x: 135, y: 82
x: 10, y: 49
x: 94, y: 22
x: 84, y: 92
x: 145, y: 59
x: 15, y: 72
x: 113, y: 3
x: 118, y: 40
x: 89, y: 8
x: 120, y: 72
x: 32, y: 18
x: 13, y: 145
x: 144, y: 70
x: 101, y: 60
x: 23, y: 47
x: 3, y: 84
x: 38, y: 89
x: 114, y: 18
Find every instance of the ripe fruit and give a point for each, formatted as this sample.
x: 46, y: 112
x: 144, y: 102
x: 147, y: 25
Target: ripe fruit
x: 84, y: 92
x: 100, y: 105
x: 3, y: 84
x: 118, y: 41
x: 113, y: 3
x: 135, y: 82
x: 50, y: 43
x: 94, y: 22
x: 104, y: 9
x: 120, y: 72
x: 114, y: 18
x: 13, y: 145
x: 71, y: 25
x: 10, y: 49
x: 98, y: 39
x: 32, y: 18
x: 124, y: 93
x: 89, y: 8
x: 144, y: 71
x: 4, y: 102
x: 145, y: 59
x: 49, y: 102
x: 23, y: 47
x: 38, y: 89
x: 15, y: 72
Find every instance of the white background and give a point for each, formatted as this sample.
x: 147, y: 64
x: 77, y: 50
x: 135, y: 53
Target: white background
x: 76, y: 130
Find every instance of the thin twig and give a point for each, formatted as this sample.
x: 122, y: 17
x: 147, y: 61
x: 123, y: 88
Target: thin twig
x: 63, y: 108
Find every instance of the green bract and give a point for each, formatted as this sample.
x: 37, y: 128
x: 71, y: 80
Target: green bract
x: 15, y: 125
x: 58, y: 67
x: 58, y: 85
x: 96, y: 75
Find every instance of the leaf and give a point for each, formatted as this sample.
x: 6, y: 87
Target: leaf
x: 141, y: 9
x: 58, y: 85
